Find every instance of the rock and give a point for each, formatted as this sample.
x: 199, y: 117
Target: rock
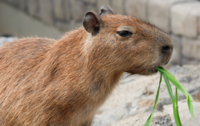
x: 137, y: 8
x: 191, y: 48
x: 33, y: 6
x: 59, y: 8
x: 117, y: 6
x: 159, y: 12
x: 62, y: 9
x: 111, y: 116
x: 46, y: 11
x: 184, y: 113
x: 159, y: 119
x: 21, y: 4
x: 78, y: 9
x: 199, y: 25
x: 91, y: 1
x: 187, y: 14
x: 176, y: 57
x: 102, y: 3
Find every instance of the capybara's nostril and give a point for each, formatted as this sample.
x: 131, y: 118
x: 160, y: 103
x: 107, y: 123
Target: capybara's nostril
x: 167, y: 49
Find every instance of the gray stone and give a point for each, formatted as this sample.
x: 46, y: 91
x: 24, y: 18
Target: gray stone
x: 21, y: 4
x: 102, y: 3
x: 46, y: 12
x: 159, y: 13
x: 184, y: 113
x: 62, y: 9
x: 117, y: 6
x: 68, y: 26
x: 176, y: 57
x: 199, y: 24
x: 191, y: 48
x: 33, y: 7
x: 12, y: 2
x: 91, y: 1
x: 111, y: 116
x: 136, y: 8
x: 184, y: 19
x: 67, y: 11
x: 79, y: 8
x: 159, y: 119
x: 58, y: 8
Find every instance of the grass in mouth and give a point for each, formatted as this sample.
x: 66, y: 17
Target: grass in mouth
x: 168, y: 77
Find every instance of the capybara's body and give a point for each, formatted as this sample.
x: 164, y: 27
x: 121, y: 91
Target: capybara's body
x: 46, y: 82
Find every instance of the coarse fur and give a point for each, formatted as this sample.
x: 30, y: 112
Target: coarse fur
x: 46, y: 82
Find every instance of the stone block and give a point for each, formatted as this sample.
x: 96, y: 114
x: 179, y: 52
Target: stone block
x: 63, y: 26
x: 102, y: 3
x: 176, y: 56
x: 191, y: 48
x: 46, y: 12
x: 68, y: 26
x: 159, y: 13
x: 117, y: 6
x: 67, y: 10
x: 79, y: 8
x: 58, y: 9
x: 62, y: 9
x: 21, y: 4
x: 33, y: 7
x: 159, y: 119
x: 137, y: 8
x: 184, y: 19
x: 90, y: 1
x: 199, y: 24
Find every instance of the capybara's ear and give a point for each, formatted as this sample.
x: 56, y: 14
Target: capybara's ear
x: 105, y: 10
x: 92, y: 22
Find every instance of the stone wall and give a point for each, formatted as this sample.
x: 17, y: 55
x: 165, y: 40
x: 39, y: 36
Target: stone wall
x: 179, y: 18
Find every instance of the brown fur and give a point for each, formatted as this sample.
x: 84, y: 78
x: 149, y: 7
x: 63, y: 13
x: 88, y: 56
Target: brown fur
x: 63, y: 82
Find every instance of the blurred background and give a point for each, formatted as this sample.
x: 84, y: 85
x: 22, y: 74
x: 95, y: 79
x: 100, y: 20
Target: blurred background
x: 178, y: 18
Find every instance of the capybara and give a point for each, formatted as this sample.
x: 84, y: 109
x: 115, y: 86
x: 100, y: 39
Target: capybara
x: 46, y: 82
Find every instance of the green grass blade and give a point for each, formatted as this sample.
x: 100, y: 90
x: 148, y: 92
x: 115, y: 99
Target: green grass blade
x: 168, y: 87
x: 176, y: 118
x: 190, y: 106
x: 169, y: 77
x: 174, y: 81
x: 177, y: 84
x: 149, y: 120
x: 176, y: 96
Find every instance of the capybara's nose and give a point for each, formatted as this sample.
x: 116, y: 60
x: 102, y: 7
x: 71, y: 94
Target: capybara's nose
x: 167, y: 49
x: 167, y: 53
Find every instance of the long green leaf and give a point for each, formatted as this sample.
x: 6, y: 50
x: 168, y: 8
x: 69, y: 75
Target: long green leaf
x: 177, y: 112
x: 169, y: 77
x: 177, y: 121
x: 149, y: 120
x: 177, y: 84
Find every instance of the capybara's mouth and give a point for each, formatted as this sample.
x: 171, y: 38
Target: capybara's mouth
x: 147, y: 71
x: 152, y: 70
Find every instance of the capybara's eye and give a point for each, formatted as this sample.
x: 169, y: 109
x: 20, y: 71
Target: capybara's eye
x: 124, y: 33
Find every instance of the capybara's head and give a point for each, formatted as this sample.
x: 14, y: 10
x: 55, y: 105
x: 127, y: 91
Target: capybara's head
x: 125, y: 43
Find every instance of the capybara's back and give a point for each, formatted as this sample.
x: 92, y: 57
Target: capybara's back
x: 20, y: 64
x: 45, y: 82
